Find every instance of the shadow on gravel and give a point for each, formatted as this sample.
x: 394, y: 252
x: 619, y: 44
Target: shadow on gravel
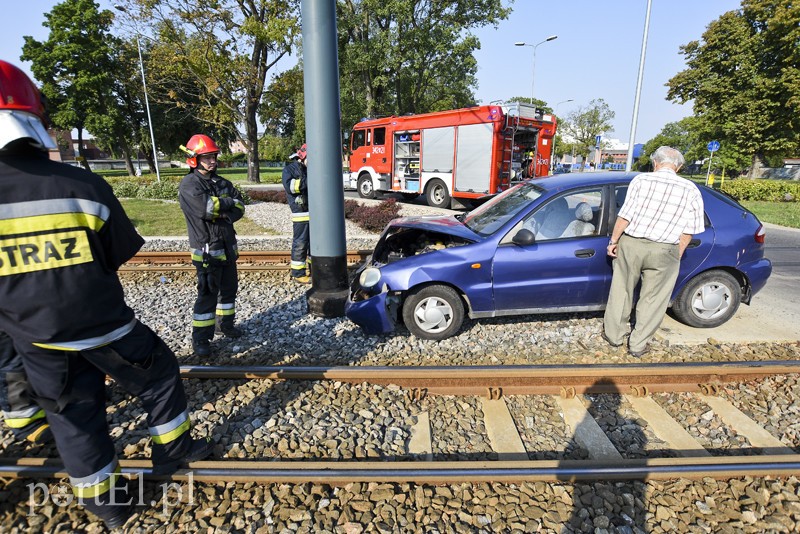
x: 607, y: 506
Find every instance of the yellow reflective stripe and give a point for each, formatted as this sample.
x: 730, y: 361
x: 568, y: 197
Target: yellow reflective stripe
x: 294, y: 185
x: 226, y: 312
x: 41, y: 223
x: 19, y: 420
x: 300, y: 217
x: 239, y: 205
x: 97, y: 483
x: 170, y: 430
x: 209, y: 322
x: 92, y: 342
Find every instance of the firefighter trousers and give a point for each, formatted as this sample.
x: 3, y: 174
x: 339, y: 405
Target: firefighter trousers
x: 23, y: 416
x: 70, y: 386
x: 217, y: 284
x: 300, y: 247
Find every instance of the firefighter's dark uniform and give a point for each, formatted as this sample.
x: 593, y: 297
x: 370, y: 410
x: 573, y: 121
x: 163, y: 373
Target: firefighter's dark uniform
x: 295, y: 178
x: 211, y: 205
x: 63, y: 235
x: 23, y: 416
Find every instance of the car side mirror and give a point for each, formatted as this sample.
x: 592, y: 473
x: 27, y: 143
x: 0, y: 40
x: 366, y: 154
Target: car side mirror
x: 523, y: 238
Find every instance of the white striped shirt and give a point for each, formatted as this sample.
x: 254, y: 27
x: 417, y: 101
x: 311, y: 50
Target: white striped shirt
x: 660, y: 206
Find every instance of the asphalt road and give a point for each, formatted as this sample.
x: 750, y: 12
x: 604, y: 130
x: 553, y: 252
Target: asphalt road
x: 773, y: 314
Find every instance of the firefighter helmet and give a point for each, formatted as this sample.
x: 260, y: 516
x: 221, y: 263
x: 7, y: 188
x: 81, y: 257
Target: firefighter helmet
x: 301, y: 153
x: 22, y: 114
x: 198, y: 145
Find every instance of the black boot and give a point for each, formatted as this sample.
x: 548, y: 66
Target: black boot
x: 202, y: 348
x: 198, y: 450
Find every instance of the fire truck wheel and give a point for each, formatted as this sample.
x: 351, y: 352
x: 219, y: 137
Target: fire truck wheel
x: 365, y: 189
x: 437, y: 194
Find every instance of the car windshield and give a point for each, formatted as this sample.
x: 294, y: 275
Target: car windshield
x: 489, y: 217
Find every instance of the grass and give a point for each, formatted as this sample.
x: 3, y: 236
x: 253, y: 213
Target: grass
x: 162, y: 218
x: 780, y: 213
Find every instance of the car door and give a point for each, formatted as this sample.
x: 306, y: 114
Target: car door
x: 699, y: 247
x: 561, y: 270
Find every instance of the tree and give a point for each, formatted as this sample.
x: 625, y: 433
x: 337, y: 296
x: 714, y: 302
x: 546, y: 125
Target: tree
x: 215, y: 56
x: 74, y: 65
x: 585, y: 123
x: 744, y: 79
x: 409, y: 56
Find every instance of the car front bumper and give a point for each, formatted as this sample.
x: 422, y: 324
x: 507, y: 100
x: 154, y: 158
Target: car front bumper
x: 371, y: 314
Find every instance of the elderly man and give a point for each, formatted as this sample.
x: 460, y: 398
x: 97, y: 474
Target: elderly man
x: 654, y: 226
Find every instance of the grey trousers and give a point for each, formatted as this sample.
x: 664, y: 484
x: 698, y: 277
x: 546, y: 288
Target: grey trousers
x: 657, y: 265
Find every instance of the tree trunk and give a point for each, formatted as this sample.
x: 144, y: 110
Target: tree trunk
x: 251, y: 130
x: 148, y: 154
x: 757, y: 168
x: 126, y: 155
x: 81, y: 152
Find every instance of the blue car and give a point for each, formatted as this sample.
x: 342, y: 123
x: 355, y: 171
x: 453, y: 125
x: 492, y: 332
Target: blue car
x: 540, y: 247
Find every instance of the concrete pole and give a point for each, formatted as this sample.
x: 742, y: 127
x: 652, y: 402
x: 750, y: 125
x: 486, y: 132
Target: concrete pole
x: 329, y: 288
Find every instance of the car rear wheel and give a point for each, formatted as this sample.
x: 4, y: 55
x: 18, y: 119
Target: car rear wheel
x: 437, y: 194
x: 708, y: 300
x: 365, y: 189
x: 433, y: 312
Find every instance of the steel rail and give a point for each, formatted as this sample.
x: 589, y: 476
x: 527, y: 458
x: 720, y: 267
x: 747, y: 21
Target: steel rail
x: 345, y: 472
x: 493, y: 381
x: 248, y: 261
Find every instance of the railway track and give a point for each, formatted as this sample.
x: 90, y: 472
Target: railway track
x: 248, y: 260
x: 570, y: 388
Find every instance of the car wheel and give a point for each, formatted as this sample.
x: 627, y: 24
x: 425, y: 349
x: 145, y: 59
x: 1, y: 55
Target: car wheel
x: 437, y: 194
x: 433, y: 312
x: 365, y: 189
x: 708, y: 300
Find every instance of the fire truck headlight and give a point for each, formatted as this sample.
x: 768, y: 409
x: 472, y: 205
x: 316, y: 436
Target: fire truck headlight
x: 369, y: 277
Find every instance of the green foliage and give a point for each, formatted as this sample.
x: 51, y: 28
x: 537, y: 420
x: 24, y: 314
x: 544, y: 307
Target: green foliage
x: 74, y: 64
x: 744, y: 80
x: 406, y: 56
x: 584, y: 123
x: 763, y: 190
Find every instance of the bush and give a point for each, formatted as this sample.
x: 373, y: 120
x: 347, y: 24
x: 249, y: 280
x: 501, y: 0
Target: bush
x: 374, y: 218
x: 270, y: 195
x: 146, y: 188
x: 764, y: 190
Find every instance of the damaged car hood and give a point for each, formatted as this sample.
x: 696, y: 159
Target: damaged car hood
x: 440, y: 224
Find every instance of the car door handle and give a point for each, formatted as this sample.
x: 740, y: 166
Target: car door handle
x: 584, y: 253
x: 694, y: 243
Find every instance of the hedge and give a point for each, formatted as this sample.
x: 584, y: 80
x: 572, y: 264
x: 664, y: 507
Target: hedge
x: 146, y: 188
x: 765, y: 190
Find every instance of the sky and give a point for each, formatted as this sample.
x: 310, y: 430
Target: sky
x: 596, y: 54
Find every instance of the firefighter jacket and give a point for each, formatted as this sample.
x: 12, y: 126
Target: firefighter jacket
x: 63, y: 235
x: 211, y: 205
x: 294, y: 178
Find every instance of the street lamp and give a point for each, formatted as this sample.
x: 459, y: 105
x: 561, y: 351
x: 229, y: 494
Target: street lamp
x: 146, y: 101
x: 553, y: 148
x: 533, y: 69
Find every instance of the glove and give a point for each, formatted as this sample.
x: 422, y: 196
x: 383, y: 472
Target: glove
x: 300, y: 201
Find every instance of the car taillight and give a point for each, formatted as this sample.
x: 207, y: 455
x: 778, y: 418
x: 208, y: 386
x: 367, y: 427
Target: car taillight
x: 761, y: 233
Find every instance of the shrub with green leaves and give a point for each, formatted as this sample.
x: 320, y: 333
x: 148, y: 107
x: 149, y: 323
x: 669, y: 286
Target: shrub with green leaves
x: 765, y: 190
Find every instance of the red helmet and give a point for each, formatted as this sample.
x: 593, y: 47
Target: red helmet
x: 198, y: 145
x: 301, y: 153
x: 21, y: 109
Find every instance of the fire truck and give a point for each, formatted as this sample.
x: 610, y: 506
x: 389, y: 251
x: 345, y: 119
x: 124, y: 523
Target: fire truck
x: 452, y: 157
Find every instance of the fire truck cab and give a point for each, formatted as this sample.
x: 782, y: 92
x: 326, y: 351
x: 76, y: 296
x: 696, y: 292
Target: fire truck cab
x: 452, y: 156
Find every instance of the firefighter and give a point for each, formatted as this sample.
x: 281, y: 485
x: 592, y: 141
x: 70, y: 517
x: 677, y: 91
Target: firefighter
x: 295, y: 183
x: 23, y: 416
x: 63, y: 235
x: 211, y: 205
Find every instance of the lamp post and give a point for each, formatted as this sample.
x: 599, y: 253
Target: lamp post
x: 629, y: 158
x: 533, y: 69
x: 553, y: 148
x: 146, y: 101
